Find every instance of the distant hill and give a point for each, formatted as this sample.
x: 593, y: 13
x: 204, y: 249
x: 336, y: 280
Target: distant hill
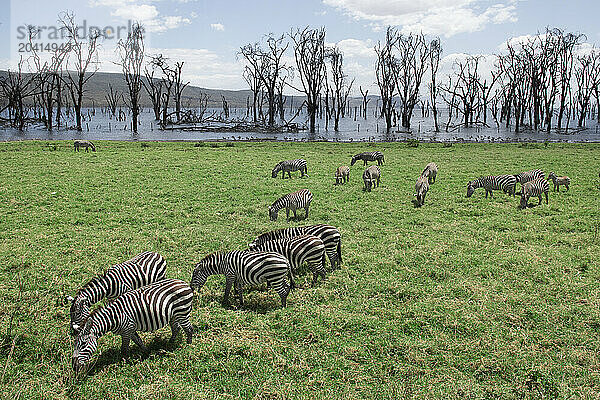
x: 97, y: 87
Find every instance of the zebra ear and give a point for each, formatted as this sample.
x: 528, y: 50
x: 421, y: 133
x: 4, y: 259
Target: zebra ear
x: 68, y: 299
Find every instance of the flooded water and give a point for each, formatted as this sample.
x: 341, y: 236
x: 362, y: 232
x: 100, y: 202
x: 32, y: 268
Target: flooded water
x: 99, y: 126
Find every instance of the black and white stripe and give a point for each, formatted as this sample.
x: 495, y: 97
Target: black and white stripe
x: 527, y: 176
x: 83, y: 143
x: 536, y: 187
x: 141, y: 270
x: 245, y: 268
x: 290, y: 166
x: 145, y: 309
x: 430, y: 172
x: 371, y: 177
x: 369, y: 156
x: 506, y: 183
x: 330, y: 235
x: 298, y: 250
x: 291, y: 201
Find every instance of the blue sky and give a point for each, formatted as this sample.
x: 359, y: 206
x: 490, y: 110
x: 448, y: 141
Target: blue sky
x: 207, y: 34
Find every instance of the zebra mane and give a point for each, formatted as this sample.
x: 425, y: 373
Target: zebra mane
x: 92, y: 282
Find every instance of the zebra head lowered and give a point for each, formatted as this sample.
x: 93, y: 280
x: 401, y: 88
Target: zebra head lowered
x: 79, y: 312
x: 470, y: 189
x: 86, y: 344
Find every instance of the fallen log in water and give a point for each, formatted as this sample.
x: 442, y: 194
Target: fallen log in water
x: 234, y: 127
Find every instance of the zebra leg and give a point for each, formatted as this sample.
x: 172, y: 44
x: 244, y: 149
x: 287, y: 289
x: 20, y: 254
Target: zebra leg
x: 540, y: 198
x: 184, y: 322
x: 306, y: 214
x: 125, y: 338
x: 238, y: 286
x: 138, y: 341
x: 174, y: 330
x: 287, y: 213
x: 228, y: 283
x: 283, y: 290
x: 546, y: 193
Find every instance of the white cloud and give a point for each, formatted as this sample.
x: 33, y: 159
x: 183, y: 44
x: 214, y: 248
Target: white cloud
x: 217, y: 27
x: 147, y: 14
x: 352, y: 48
x: 438, y: 17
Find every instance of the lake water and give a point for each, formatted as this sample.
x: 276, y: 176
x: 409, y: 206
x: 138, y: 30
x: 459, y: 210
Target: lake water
x: 98, y: 126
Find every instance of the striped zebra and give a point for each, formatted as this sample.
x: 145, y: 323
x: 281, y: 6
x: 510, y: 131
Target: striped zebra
x: 534, y: 188
x: 525, y: 177
x: 506, y: 183
x: 421, y: 189
x: 244, y: 268
x: 368, y: 156
x: 145, y: 309
x: 342, y: 174
x: 141, y: 270
x: 371, y: 177
x: 290, y: 166
x: 298, y: 250
x: 292, y: 201
x: 559, y: 180
x: 430, y: 172
x: 83, y: 143
x: 330, y: 235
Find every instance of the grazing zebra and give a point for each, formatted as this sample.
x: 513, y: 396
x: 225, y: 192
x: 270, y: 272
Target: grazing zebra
x: 562, y: 180
x: 141, y: 270
x: 299, y: 249
x: 421, y: 189
x: 83, y: 143
x: 290, y: 166
x: 430, y: 171
x: 330, y: 235
x: 368, y: 156
x: 371, y: 177
x: 342, y: 174
x: 506, y: 183
x: 244, y: 268
x: 525, y: 177
x: 145, y: 309
x: 534, y: 188
x: 291, y: 201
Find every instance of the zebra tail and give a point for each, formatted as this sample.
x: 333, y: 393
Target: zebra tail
x: 339, y: 250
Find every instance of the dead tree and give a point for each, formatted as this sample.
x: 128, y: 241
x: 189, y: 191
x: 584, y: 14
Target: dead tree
x: 131, y: 53
x: 178, y: 87
x: 253, y: 80
x: 413, y: 53
x: 83, y: 61
x: 365, y: 101
x: 18, y: 88
x: 587, y: 71
x: 340, y: 87
x: 112, y: 97
x: 267, y: 65
x: 435, y: 51
x: 386, y: 71
x: 167, y: 82
x: 154, y: 88
x: 309, y: 51
x: 567, y: 42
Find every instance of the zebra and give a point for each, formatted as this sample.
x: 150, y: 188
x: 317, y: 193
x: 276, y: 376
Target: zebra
x: 299, y: 249
x: 525, y: 177
x: 83, y: 143
x: 534, y: 188
x: 244, y: 268
x: 506, y: 183
x: 144, y: 309
x: 562, y: 180
x: 292, y: 201
x: 368, y: 156
x: 371, y: 177
x: 141, y: 270
x: 342, y: 174
x: 290, y: 166
x: 430, y: 171
x: 330, y: 235
x: 421, y: 189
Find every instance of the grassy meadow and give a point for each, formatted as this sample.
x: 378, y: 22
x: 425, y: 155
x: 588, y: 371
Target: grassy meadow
x: 461, y: 298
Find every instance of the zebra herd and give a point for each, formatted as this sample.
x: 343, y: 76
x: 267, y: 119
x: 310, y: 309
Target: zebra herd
x: 533, y: 184
x: 145, y: 300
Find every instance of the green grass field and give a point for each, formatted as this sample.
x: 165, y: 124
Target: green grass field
x: 462, y: 298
